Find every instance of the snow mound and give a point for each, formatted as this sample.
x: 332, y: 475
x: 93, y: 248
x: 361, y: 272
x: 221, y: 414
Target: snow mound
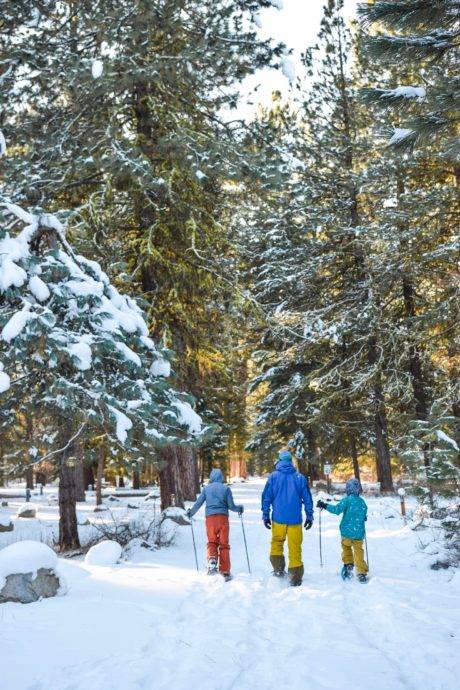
x: 107, y: 552
x: 4, y: 520
x: 168, y: 531
x: 26, y: 509
x: 25, y: 557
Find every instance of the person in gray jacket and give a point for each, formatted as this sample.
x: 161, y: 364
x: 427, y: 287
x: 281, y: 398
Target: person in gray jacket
x: 219, y: 500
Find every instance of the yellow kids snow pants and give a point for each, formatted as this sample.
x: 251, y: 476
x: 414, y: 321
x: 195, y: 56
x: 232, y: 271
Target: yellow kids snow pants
x: 294, y: 538
x: 353, y: 553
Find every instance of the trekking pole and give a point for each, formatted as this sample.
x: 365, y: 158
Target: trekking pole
x: 194, y: 545
x: 367, y: 552
x: 245, y: 543
x: 320, y: 543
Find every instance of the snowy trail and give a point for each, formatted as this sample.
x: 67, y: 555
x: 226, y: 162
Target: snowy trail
x: 157, y: 624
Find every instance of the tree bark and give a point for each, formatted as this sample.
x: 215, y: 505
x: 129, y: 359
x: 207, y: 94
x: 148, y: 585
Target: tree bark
x: 79, y: 476
x: 136, y: 479
x: 30, y: 477
x: 100, y: 472
x: 382, y: 448
x: 2, y: 463
x: 189, y: 472
x: 88, y: 474
x: 354, y: 455
x: 121, y: 482
x: 170, y: 479
x: 68, y: 526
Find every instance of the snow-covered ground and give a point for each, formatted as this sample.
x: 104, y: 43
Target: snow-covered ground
x: 154, y: 623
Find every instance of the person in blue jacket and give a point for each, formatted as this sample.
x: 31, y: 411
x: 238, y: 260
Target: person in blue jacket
x: 352, y: 529
x: 282, y: 498
x: 219, y: 500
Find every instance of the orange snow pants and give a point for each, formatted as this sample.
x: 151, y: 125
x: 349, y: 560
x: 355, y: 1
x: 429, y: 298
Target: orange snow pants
x: 218, y: 530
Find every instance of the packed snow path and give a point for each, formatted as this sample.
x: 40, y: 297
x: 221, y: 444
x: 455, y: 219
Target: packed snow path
x: 157, y: 624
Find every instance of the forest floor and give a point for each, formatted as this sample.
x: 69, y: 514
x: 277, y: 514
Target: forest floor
x: 154, y: 623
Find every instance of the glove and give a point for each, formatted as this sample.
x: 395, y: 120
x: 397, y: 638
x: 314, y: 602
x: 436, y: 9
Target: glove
x: 240, y: 510
x: 268, y: 523
x: 308, y: 523
x: 188, y: 513
x: 321, y: 505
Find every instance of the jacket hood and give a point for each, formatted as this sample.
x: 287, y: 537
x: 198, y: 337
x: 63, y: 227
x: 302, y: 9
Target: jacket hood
x: 353, y: 487
x: 216, y: 476
x: 285, y: 466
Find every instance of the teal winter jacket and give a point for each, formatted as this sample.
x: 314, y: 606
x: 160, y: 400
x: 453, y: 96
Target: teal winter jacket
x: 354, y: 511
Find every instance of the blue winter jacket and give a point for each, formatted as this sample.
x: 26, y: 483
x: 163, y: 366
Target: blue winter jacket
x: 354, y: 511
x: 285, y: 491
x: 218, y: 496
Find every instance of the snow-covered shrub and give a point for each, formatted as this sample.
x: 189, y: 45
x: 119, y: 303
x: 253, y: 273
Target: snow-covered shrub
x: 107, y: 552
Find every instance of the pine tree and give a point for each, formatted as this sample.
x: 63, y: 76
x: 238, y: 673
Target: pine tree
x: 329, y: 323
x: 79, y: 353
x: 127, y: 130
x: 422, y: 34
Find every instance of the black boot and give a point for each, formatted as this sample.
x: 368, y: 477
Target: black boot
x: 362, y: 577
x: 347, y: 571
x: 279, y: 565
x: 296, y: 575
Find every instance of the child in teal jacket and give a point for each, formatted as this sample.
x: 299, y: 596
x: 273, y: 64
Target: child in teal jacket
x: 352, y: 529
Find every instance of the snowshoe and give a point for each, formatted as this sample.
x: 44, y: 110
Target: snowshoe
x: 363, y: 578
x: 227, y: 576
x: 279, y: 573
x: 212, y: 567
x: 347, y: 571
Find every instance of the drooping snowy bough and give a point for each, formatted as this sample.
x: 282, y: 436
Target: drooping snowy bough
x: 76, y: 350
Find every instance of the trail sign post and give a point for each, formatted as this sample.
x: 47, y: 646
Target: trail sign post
x: 402, y: 498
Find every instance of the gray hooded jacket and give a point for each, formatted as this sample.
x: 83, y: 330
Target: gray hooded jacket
x: 218, y: 496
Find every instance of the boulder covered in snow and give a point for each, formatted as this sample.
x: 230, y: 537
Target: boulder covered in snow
x: 107, y: 552
x: 168, y: 529
x: 152, y: 495
x: 177, y: 515
x: 5, y: 523
x: 28, y: 572
x: 101, y: 508
x: 27, y: 510
x: 82, y: 519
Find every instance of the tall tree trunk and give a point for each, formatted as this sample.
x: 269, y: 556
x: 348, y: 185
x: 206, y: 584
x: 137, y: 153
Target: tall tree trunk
x: 88, y: 474
x: 188, y: 470
x: 170, y: 479
x: 136, y: 479
x: 354, y: 455
x: 79, y: 482
x: 382, y: 448
x: 2, y: 463
x: 30, y: 477
x: 100, y: 472
x: 79, y: 475
x: 121, y: 482
x: 310, y: 466
x: 68, y: 526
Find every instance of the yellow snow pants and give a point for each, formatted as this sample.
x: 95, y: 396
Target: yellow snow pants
x: 294, y: 538
x: 353, y: 553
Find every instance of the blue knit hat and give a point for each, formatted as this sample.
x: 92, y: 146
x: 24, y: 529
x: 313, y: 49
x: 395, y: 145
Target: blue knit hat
x: 284, y: 455
x: 353, y: 487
